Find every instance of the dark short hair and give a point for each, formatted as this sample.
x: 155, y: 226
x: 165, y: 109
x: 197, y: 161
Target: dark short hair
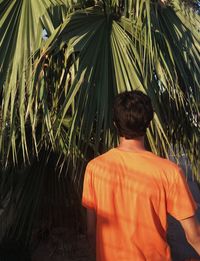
x: 133, y: 113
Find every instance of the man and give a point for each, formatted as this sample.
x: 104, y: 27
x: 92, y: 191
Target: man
x: 128, y: 192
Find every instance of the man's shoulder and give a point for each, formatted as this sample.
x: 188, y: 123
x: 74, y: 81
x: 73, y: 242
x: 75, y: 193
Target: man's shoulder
x: 168, y: 168
x: 103, y: 158
x: 159, y: 167
x: 152, y: 161
x: 166, y: 162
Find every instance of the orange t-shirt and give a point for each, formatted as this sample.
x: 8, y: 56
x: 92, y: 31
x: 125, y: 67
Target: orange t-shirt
x: 131, y: 194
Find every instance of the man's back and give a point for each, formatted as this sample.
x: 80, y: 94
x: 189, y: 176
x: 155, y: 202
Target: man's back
x: 131, y: 193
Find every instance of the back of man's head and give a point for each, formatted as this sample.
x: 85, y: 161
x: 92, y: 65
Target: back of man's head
x: 133, y: 113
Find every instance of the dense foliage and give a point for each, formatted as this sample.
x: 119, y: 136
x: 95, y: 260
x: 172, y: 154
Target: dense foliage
x: 61, y: 64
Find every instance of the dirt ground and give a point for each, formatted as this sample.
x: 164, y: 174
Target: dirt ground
x: 76, y: 250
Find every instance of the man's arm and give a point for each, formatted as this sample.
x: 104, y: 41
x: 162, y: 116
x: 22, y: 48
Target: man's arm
x: 91, y: 229
x: 192, y: 232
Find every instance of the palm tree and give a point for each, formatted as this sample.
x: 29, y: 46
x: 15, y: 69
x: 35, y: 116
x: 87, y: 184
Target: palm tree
x: 56, y: 91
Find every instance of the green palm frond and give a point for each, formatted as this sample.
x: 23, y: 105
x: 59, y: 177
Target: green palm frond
x: 96, y: 53
x: 56, y: 94
x: 108, y: 55
x: 21, y: 23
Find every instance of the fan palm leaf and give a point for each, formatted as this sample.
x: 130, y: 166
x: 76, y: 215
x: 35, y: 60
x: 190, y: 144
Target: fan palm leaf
x: 57, y: 94
x: 151, y: 53
x: 98, y: 53
x: 21, y: 25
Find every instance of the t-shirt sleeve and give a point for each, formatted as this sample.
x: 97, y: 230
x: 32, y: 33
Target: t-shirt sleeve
x: 88, y: 196
x: 180, y: 202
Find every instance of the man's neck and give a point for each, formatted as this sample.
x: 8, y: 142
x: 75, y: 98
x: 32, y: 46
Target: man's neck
x: 134, y: 145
